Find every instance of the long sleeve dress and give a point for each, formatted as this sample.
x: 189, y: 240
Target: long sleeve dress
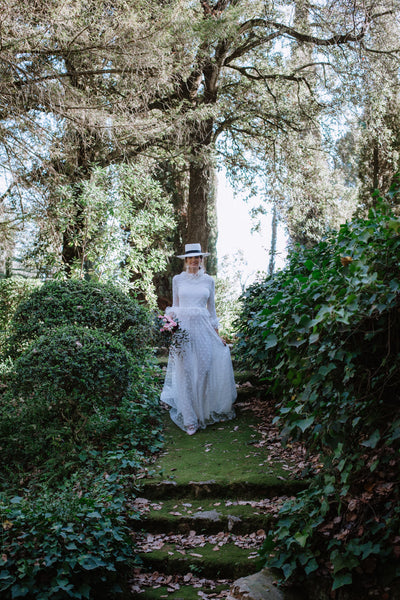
x: 199, y: 383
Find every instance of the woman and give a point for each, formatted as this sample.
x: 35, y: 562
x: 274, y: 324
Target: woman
x: 199, y: 384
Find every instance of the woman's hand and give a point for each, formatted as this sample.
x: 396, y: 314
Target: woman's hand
x: 221, y: 338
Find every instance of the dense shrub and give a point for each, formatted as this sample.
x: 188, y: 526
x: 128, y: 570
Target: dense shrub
x: 79, y: 417
x: 12, y: 291
x: 325, y: 335
x: 71, y: 542
x: 73, y: 387
x: 78, y: 302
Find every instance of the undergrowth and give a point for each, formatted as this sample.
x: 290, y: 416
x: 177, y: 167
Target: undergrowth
x: 324, y: 334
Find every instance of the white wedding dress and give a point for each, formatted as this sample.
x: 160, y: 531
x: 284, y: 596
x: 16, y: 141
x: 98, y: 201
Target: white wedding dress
x: 199, y: 383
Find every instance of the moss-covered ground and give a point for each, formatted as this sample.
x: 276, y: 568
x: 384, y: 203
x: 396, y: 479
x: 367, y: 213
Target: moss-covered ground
x: 228, y: 456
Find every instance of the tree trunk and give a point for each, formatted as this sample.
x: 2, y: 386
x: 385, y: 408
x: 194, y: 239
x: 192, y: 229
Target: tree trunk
x: 201, y: 214
x: 274, y: 232
x: 71, y: 252
x: 212, y: 260
x: 375, y: 166
x: 198, y: 228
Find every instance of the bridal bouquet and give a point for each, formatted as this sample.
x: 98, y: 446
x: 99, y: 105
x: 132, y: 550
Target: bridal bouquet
x: 167, y: 325
x: 170, y: 333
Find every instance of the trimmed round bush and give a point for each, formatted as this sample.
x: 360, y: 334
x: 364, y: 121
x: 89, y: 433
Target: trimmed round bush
x: 87, y: 304
x: 72, y: 388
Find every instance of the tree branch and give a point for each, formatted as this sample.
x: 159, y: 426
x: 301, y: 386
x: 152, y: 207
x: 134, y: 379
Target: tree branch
x: 250, y: 45
x: 261, y: 76
x: 335, y: 40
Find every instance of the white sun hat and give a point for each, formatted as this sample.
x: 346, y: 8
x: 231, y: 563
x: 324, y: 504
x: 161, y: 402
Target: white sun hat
x: 193, y: 250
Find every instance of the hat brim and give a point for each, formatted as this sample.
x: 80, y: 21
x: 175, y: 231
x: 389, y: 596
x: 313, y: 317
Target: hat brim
x: 193, y: 254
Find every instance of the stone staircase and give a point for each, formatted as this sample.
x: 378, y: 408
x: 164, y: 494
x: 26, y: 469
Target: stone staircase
x: 206, y: 508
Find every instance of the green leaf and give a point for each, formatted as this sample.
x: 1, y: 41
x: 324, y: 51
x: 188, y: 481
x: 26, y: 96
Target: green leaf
x: 277, y: 298
x: 325, y: 370
x: 16, y: 500
x: 341, y: 579
x: 311, y: 566
x: 316, y: 274
x: 19, y: 591
x: 301, y: 538
x: 89, y: 562
x: 271, y: 341
x: 394, y: 225
x: 296, y: 342
x: 372, y: 441
x: 305, y: 423
x: 309, y: 265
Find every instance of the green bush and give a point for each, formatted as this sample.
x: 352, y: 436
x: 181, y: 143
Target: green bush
x: 72, y: 387
x: 12, y: 291
x: 325, y: 335
x: 79, y: 418
x: 87, y: 304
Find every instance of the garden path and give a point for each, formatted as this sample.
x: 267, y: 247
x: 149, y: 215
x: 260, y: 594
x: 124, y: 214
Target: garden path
x: 207, y: 503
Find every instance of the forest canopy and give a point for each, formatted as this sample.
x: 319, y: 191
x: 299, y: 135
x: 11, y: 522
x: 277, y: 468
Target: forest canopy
x: 298, y: 95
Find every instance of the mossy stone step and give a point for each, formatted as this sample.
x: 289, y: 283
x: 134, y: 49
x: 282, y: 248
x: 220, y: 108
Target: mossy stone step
x: 199, y: 486
x: 272, y: 487
x: 185, y: 592
x: 207, y: 516
x: 229, y: 561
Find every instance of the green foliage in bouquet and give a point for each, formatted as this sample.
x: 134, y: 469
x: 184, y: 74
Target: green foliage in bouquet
x: 83, y: 303
x: 324, y: 333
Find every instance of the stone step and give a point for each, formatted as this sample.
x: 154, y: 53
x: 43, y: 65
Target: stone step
x: 272, y: 487
x: 207, y: 504
x: 226, y: 460
x: 206, y: 516
x: 216, y: 559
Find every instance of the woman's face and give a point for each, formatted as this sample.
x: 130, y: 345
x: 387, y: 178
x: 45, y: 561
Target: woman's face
x: 193, y: 262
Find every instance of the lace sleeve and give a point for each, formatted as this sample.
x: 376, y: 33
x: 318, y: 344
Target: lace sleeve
x: 211, y: 305
x: 175, y: 298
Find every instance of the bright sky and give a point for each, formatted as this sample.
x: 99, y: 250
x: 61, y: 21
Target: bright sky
x: 235, y: 231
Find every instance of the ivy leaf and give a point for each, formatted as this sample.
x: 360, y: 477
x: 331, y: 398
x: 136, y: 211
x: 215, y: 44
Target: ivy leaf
x: 89, y: 562
x: 311, y: 566
x: 296, y: 342
x: 341, y: 579
x: 305, y: 423
x: 309, y: 265
x: 301, y: 538
x: 394, y: 225
x: 271, y: 341
x: 373, y: 440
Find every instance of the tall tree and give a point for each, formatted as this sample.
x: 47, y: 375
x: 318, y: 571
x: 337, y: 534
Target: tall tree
x: 180, y: 80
